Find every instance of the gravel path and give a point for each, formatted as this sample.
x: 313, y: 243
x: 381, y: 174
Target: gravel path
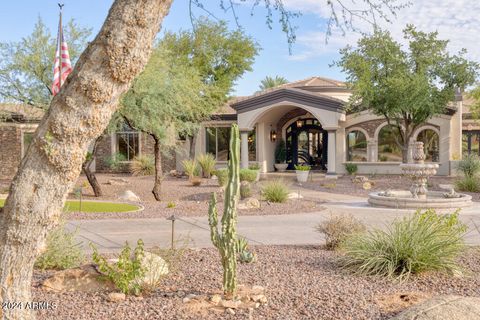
x: 301, y: 282
x: 188, y: 200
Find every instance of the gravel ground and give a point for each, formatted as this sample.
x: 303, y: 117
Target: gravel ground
x: 344, y: 184
x: 301, y: 282
x: 188, y: 200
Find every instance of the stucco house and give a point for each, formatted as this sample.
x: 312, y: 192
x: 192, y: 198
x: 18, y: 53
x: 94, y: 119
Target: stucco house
x: 309, y: 115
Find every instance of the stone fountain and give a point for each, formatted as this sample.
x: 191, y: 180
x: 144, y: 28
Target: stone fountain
x: 419, y: 196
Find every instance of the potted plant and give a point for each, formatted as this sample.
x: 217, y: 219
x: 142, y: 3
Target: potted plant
x: 302, y: 172
x: 281, y: 156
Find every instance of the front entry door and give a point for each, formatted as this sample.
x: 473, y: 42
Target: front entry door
x: 307, y: 144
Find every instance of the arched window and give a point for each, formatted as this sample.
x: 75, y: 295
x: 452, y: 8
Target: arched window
x: 388, y: 148
x: 356, y: 146
x: 431, y: 143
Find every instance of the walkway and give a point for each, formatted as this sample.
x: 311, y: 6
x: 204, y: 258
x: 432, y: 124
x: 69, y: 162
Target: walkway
x: 110, y: 235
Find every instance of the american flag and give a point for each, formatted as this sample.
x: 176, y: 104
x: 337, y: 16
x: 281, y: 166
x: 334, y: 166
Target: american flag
x: 62, y: 66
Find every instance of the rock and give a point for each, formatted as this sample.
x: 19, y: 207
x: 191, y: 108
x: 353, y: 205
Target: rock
x: 259, y: 298
x: 216, y: 298
x: 84, y: 279
x: 258, y: 289
x: 155, y: 269
x: 191, y: 296
x: 443, y: 308
x: 186, y: 300
x: 116, y: 297
x: 232, y: 304
x: 360, y: 179
x: 294, y: 195
x: 129, y: 196
x: 231, y: 311
x: 248, y: 204
x: 117, y: 182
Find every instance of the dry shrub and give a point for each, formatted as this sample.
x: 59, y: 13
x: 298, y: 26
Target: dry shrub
x: 207, y: 162
x: 338, y: 228
x: 143, y: 166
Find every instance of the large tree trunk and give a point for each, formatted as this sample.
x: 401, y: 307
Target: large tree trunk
x: 157, y: 187
x: 77, y: 115
x: 92, y: 179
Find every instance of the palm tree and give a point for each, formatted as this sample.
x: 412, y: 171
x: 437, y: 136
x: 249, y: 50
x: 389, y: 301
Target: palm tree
x: 271, y: 82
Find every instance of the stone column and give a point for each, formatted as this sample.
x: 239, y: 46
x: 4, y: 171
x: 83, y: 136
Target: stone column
x: 332, y: 150
x: 244, y: 149
x: 372, y: 150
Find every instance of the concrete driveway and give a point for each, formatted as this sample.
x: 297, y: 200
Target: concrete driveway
x: 110, y: 235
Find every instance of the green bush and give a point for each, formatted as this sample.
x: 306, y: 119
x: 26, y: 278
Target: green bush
x: 248, y: 175
x: 115, y: 161
x: 469, y: 166
x: 207, y: 162
x: 222, y: 175
x: 351, y: 168
x: 245, y: 190
x: 125, y: 272
x: 280, y: 152
x: 254, y: 166
x: 338, y: 228
x: 143, y: 166
x: 421, y: 242
x: 62, y: 251
x: 275, y: 191
x: 191, y: 168
x: 468, y: 183
x: 302, y: 167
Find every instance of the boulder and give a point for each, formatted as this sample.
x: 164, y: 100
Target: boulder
x: 155, y: 269
x: 117, y: 182
x: 85, y: 279
x: 294, y: 195
x: 248, y: 204
x: 443, y: 308
x: 129, y: 196
x: 116, y: 297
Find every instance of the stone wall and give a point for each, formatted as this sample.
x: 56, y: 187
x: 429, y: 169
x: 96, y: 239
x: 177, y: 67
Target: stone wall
x: 11, y: 150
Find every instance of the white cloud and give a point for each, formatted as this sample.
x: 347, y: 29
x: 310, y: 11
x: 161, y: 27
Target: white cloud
x: 455, y: 20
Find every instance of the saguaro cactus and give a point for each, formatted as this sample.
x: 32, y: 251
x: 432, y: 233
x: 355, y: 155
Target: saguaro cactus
x: 226, y: 241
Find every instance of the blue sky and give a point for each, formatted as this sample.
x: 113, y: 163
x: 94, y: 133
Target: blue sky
x: 457, y: 20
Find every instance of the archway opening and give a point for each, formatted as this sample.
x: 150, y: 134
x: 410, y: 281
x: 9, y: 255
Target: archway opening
x: 431, y: 143
x: 307, y: 143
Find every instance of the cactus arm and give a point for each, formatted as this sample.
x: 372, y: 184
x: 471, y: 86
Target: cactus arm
x: 213, y: 220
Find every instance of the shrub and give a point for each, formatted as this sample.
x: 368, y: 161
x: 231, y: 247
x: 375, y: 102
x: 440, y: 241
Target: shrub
x: 383, y: 158
x: 338, y: 228
x: 207, y: 163
x: 254, y: 166
x: 469, y: 166
x: 171, y: 205
x: 115, y: 161
x: 243, y: 254
x: 245, y: 190
x: 302, y: 167
x: 351, y: 168
x: 62, y: 251
x: 222, y: 175
x: 468, y: 183
x: 280, y: 152
x: 143, y: 166
x: 421, y: 242
x: 191, y: 168
x: 125, y: 272
x: 248, y: 175
x: 275, y: 191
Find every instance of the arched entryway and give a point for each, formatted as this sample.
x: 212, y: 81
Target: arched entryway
x: 307, y: 143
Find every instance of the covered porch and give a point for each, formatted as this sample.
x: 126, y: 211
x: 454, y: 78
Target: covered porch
x: 310, y: 123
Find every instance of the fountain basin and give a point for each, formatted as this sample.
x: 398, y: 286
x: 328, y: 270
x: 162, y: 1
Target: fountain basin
x: 402, y: 199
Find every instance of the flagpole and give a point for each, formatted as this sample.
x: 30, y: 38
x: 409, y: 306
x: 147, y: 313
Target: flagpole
x: 60, y: 40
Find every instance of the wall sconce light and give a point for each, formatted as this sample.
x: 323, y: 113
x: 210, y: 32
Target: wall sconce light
x: 299, y: 123
x: 273, y: 135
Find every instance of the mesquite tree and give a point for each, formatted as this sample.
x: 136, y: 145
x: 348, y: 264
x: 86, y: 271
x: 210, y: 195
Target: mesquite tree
x: 77, y: 115
x: 226, y: 241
